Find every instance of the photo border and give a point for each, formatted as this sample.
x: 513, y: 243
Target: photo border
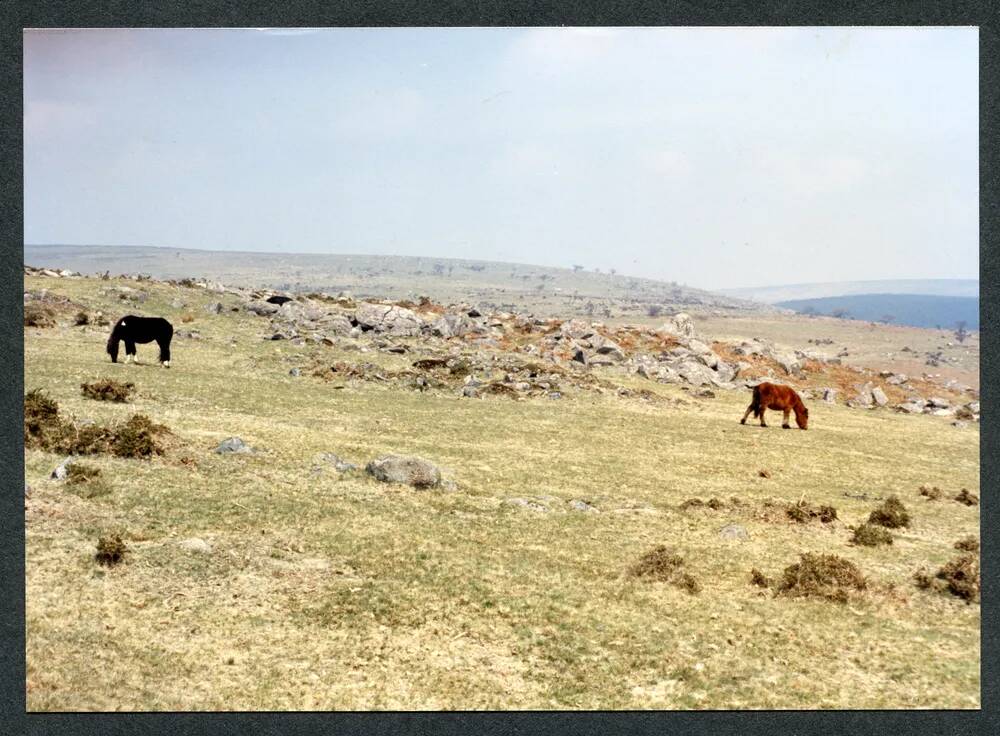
x: 255, y: 13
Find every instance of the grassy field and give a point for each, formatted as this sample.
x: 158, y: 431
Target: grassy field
x: 328, y: 591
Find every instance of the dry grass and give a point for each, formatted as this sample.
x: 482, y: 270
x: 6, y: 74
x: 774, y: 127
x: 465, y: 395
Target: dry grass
x: 333, y: 591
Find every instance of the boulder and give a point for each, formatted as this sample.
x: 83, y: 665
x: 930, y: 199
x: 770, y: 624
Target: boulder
x: 388, y: 319
x: 261, y: 308
x: 725, y: 372
x: 789, y: 363
x: 214, y: 308
x: 680, y: 325
x: 455, y: 325
x: 412, y: 471
x: 897, y: 379
x: 697, y: 374
x: 879, y: 397
x: 938, y: 403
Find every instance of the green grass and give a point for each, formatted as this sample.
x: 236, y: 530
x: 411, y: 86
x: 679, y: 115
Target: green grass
x: 337, y: 592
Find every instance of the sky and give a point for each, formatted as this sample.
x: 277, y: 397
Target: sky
x: 715, y: 157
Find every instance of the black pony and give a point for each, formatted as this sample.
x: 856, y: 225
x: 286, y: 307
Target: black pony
x: 134, y: 329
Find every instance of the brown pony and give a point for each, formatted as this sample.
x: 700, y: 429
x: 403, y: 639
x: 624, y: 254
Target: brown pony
x: 781, y: 398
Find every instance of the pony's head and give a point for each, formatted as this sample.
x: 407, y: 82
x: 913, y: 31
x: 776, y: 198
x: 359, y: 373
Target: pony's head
x: 801, y: 415
x: 113, y: 341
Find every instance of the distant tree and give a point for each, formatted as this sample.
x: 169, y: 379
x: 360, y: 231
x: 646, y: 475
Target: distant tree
x: 840, y: 313
x: 577, y: 268
x: 612, y: 271
x: 439, y: 268
x: 606, y: 310
x: 887, y: 319
x: 597, y: 270
x: 961, y: 334
x: 809, y: 310
x: 540, y: 287
x: 589, y: 309
x: 654, y: 310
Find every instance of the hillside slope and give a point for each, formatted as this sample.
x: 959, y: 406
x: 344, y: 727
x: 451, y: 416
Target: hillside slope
x: 514, y: 585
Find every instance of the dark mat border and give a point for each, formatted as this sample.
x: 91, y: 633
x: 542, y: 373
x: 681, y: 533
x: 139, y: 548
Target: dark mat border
x: 257, y: 13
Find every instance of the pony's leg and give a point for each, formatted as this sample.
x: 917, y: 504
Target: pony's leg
x: 746, y: 414
x: 784, y: 423
x: 165, y: 354
x: 130, y: 352
x: 761, y: 415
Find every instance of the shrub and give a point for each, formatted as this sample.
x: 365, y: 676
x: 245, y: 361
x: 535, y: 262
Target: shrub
x: 871, y: 535
x: 81, y: 319
x: 821, y: 576
x: 110, y: 550
x: 39, y: 315
x: 662, y: 565
x: 891, y: 514
x: 967, y: 544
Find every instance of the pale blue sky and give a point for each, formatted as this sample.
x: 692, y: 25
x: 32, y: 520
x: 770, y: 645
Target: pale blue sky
x: 715, y: 157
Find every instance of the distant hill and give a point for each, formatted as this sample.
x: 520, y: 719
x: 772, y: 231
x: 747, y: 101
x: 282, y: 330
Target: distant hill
x: 788, y: 292
x: 539, y: 289
x: 916, y: 310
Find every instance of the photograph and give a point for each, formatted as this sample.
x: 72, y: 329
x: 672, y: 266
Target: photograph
x: 480, y: 368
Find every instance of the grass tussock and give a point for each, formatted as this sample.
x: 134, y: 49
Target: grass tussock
x: 81, y: 318
x: 759, y: 579
x: 45, y: 430
x: 931, y: 493
x: 111, y: 550
x: 187, y: 318
x: 77, y: 473
x: 107, y: 389
x: 696, y: 503
x: 821, y: 576
x: 662, y: 565
x: 969, y: 499
x: 804, y: 512
x: 871, y: 535
x: 892, y: 514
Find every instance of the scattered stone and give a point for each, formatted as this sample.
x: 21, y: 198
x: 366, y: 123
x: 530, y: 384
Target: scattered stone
x: 577, y: 505
x: 341, y: 465
x: 233, y: 445
x: 295, y: 372
x: 27, y: 490
x: 527, y: 503
x: 733, y: 531
x: 214, y: 308
x: 411, y: 471
x: 194, y: 544
x: 62, y: 470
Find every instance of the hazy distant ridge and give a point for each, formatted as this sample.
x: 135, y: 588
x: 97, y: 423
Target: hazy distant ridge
x: 787, y: 292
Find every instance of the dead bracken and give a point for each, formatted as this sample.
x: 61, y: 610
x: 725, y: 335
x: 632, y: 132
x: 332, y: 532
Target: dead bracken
x: 662, y: 565
x: 803, y: 512
x: 871, y: 535
x: 969, y: 499
x: 107, y: 389
x: 891, y: 514
x: 39, y: 315
x: 110, y: 550
x: 960, y: 577
x: 967, y: 544
x: 821, y: 576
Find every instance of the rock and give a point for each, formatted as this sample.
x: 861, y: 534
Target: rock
x: 27, y: 490
x: 295, y: 372
x: 789, y: 363
x: 470, y: 391
x: 554, y: 395
x: 390, y: 319
x: 261, y: 308
x: 526, y: 503
x: 942, y: 412
x: 62, y: 470
x: 336, y: 324
x: 960, y: 424
x: 733, y: 531
x: 578, y: 505
x: 177, y: 304
x: 579, y: 356
x: 878, y: 395
x: 725, y: 371
x: 705, y: 393
x: 896, y: 379
x: 938, y: 402
x: 214, y: 308
x: 341, y: 465
x: 696, y: 374
x: 576, y: 329
x: 974, y: 406
x: 608, y: 348
x: 233, y: 445
x: 194, y: 544
x: 455, y: 325
x: 680, y: 325
x: 412, y: 471
x: 830, y: 395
